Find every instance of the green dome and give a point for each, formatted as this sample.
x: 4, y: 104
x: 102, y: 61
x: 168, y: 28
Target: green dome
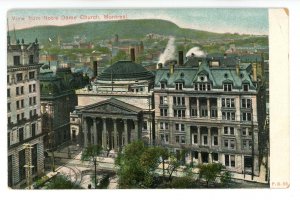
x: 125, y: 70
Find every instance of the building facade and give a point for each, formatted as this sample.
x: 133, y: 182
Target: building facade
x: 23, y: 112
x: 209, y: 111
x: 58, y: 99
x: 116, y: 109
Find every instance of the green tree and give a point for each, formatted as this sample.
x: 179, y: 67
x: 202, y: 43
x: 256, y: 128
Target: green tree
x: 174, y: 163
x: 91, y: 153
x: 136, y: 165
x: 62, y: 182
x: 184, y: 181
x: 210, y: 172
x: 226, y: 178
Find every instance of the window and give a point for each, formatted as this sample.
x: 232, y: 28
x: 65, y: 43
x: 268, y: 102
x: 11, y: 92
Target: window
x: 21, y: 134
x: 164, y: 125
x: 163, y: 85
x: 247, y: 144
x: 179, y: 113
x: 164, y: 138
x: 245, y: 87
x: 227, y: 87
x: 214, y: 113
x: 229, y: 143
x: 8, y: 78
x: 203, y: 111
x: 30, y: 101
x: 178, y: 86
x: 33, y: 87
x: 30, y: 88
x: 246, y: 116
x: 229, y: 160
x: 19, y: 76
x: 195, y: 139
x: 178, y: 100
x: 22, y: 116
x: 246, y: 131
x: 22, y: 103
x: 17, y: 91
x: 246, y: 103
x: 9, y: 120
x: 228, y: 116
x: 179, y: 127
x: 22, y: 89
x: 22, y: 162
x: 215, y: 157
x: 8, y: 107
x: 18, y: 117
x: 204, y: 140
x: 163, y: 100
x: 163, y: 112
x: 228, y: 130
x: 32, y: 130
x: 144, y: 125
x: 180, y: 139
x: 193, y: 112
x: 30, y: 59
x: 16, y: 60
x: 202, y: 86
x: 34, y: 100
x: 8, y: 92
x: 228, y: 103
x: 248, y: 162
x: 18, y: 104
x: 215, y: 140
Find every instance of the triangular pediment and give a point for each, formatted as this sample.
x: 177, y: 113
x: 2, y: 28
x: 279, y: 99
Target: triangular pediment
x: 112, y: 106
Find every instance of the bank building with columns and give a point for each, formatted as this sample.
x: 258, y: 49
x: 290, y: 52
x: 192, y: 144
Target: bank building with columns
x: 116, y: 109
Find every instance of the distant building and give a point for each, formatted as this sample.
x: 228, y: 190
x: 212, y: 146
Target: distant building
x: 23, y: 112
x: 58, y: 99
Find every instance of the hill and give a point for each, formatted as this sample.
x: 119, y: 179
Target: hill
x: 124, y: 28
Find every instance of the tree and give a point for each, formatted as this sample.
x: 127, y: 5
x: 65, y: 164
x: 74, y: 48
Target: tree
x: 174, y: 162
x: 62, y: 182
x: 226, y: 178
x: 136, y: 165
x: 90, y: 153
x: 210, y: 172
x: 184, y: 181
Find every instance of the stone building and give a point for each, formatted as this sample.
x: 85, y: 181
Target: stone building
x: 116, y: 109
x: 58, y: 99
x: 23, y: 112
x: 210, y: 111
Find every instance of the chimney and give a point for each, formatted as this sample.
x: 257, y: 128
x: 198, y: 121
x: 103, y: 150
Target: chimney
x: 171, y: 68
x: 132, y: 55
x: 180, y: 58
x: 237, y: 67
x: 95, y: 68
x: 254, y: 73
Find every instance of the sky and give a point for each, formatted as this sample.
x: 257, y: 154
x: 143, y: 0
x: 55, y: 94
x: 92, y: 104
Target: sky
x: 220, y: 20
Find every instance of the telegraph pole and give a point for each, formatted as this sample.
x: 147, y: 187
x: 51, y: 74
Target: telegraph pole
x: 28, y: 165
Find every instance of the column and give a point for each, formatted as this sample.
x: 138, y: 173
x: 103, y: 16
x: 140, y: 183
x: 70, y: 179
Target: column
x: 125, y: 131
x: 199, y: 135
x: 95, y: 131
x: 85, y: 132
x: 198, y: 107
x: 209, y: 136
x: 219, y: 106
x: 136, y: 130
x: 187, y: 103
x: 115, y: 133
x: 209, y: 157
x: 208, y: 107
x: 188, y: 134
x: 200, y: 158
x: 104, y: 134
x: 219, y: 137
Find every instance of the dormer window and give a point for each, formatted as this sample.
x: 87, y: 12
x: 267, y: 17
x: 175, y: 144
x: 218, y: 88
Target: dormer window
x: 178, y: 86
x: 227, y: 87
x: 163, y: 85
x: 202, y: 86
x: 246, y: 87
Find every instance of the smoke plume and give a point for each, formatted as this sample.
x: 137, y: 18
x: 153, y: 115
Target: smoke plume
x: 169, y: 52
x: 196, y: 51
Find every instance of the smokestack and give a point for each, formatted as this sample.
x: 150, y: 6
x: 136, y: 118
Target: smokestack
x: 159, y: 65
x: 95, y: 68
x: 254, y: 73
x: 132, y: 55
x: 180, y: 58
x: 237, y: 67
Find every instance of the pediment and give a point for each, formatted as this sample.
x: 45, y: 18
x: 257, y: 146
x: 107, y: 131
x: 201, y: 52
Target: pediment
x: 112, y: 106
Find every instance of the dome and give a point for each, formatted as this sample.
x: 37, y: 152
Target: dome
x: 125, y: 70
